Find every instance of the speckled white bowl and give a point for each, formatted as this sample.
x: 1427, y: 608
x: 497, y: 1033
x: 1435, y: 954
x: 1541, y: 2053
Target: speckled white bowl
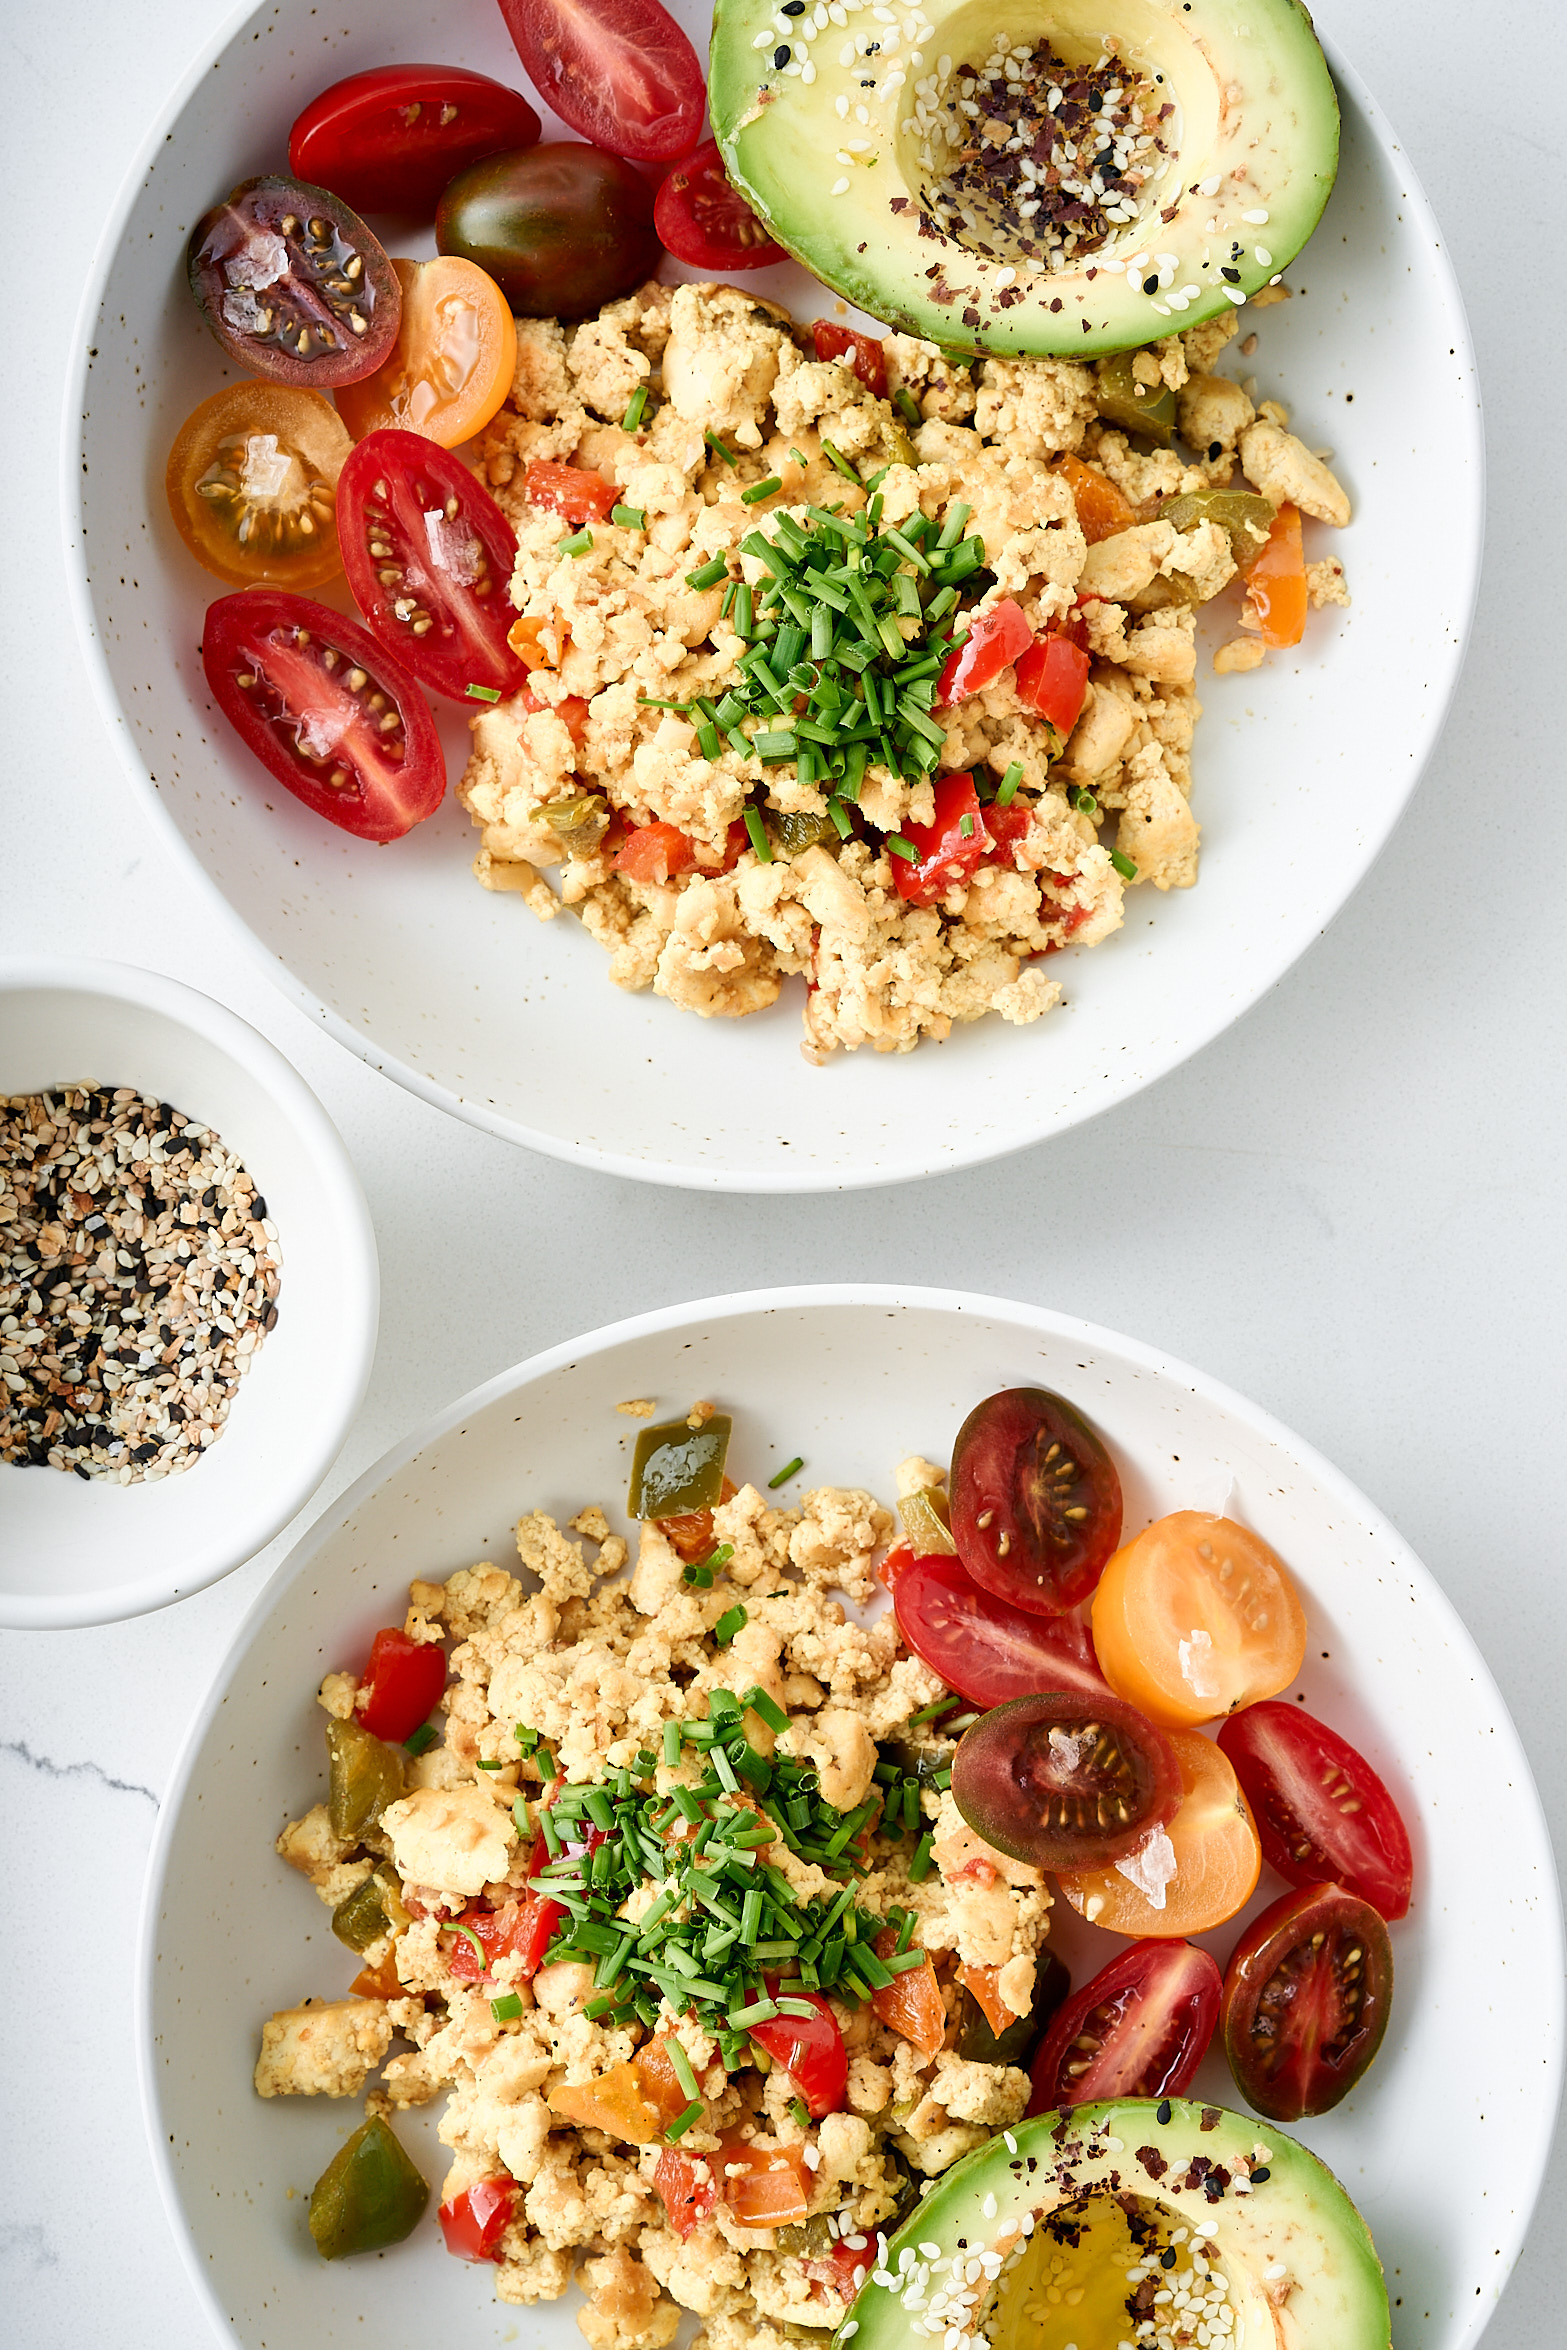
x: 75, y: 1551
x: 1443, y: 2144
x: 1302, y: 768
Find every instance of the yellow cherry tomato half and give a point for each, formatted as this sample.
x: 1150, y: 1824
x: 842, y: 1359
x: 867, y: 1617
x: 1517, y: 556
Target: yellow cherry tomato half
x: 1196, y: 1618
x: 452, y: 363
x: 1189, y: 1876
x: 252, y: 485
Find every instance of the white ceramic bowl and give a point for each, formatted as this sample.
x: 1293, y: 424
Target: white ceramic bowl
x: 1443, y: 2145
x: 76, y: 1551
x: 1302, y: 769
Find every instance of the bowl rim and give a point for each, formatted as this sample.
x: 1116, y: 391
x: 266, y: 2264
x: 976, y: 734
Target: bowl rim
x: 1167, y: 1370
x: 912, y: 1162
x: 286, y: 1493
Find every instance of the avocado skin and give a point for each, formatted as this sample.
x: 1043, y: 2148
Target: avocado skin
x: 1299, y: 2208
x: 778, y: 138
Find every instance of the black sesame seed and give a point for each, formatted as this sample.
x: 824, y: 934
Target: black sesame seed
x: 1169, y: 2259
x: 1150, y: 285
x: 1232, y: 275
x: 1258, y: 2176
x: 258, y: 1208
x: 782, y: 55
x: 1165, y: 2111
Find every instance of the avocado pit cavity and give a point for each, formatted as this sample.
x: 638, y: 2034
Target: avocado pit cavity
x: 1109, y: 2268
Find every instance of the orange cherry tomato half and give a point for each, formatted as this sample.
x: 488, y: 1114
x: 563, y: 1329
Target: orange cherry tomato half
x: 252, y: 485
x: 1276, y: 584
x: 1196, y: 1618
x: 1211, y: 1842
x: 452, y: 363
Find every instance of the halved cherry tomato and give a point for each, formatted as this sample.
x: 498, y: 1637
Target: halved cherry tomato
x: 1307, y: 1995
x: 428, y: 554
x: 1052, y: 678
x: 620, y: 72
x: 810, y: 2050
x: 911, y: 2004
x: 452, y: 364
x: 891, y: 1567
x: 1036, y: 1502
x: 1065, y: 1779
x: 570, y: 491
x: 1101, y: 509
x: 947, y: 853
x: 474, y: 2222
x: 981, y: 1647
x: 686, y: 2194
x: 1275, y: 607
x: 562, y: 229
x: 701, y: 219
x: 995, y: 639
x: 1139, y: 2029
x: 252, y: 485
x: 1199, y: 1871
x: 293, y: 284
x: 390, y: 139
x: 1197, y: 1617
x: 1322, y: 1813
x: 864, y: 353
x: 328, y: 711
x: 656, y: 853
x: 401, y: 1684
x: 772, y: 2187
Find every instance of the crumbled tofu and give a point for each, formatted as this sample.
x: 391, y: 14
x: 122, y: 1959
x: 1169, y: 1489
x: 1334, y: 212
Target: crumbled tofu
x: 323, y: 2049
x: 457, y: 1840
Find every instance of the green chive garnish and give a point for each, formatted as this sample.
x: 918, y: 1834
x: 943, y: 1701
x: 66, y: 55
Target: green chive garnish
x: 919, y: 1866
x: 629, y: 517
x: 789, y: 1469
x: 758, y: 836
x: 907, y: 406
x: 1123, y: 865
x: 634, y: 409
x: 507, y: 2008
x: 900, y: 847
x: 966, y: 828
x: 1006, y: 791
x: 718, y: 449
x: 709, y: 574
x: 421, y: 1740
x: 1085, y: 803
x: 836, y: 457
x: 487, y: 1766
x: 682, y: 2121
x: 760, y: 490
x: 483, y: 693
x: 733, y: 1620
x: 578, y: 544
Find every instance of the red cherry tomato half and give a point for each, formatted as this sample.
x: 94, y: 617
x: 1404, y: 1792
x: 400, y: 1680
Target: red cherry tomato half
x: 656, y: 852
x: 1066, y: 1780
x: 701, y: 219
x: 985, y: 1650
x: 390, y: 139
x: 1036, y: 1502
x: 1322, y: 1813
x: 995, y: 639
x: 293, y: 284
x: 328, y: 711
x: 402, y: 1681
x: 864, y: 354
x: 474, y: 2222
x: 428, y: 555
x: 1306, y: 1999
x: 570, y: 491
x: 686, y: 2195
x: 810, y: 2050
x: 1052, y: 678
x: 1139, y: 2029
x: 947, y: 853
x: 619, y: 72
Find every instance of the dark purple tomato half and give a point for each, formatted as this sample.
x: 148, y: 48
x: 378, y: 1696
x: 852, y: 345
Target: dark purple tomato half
x: 1036, y: 1501
x: 1066, y: 1780
x: 293, y: 284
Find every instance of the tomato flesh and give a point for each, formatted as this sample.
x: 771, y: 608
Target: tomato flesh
x: 1197, y: 1617
x: 1323, y: 1814
x: 810, y: 2050
x: 1307, y: 1995
x: 252, y: 485
x: 281, y: 669
x: 1065, y: 1780
x: 1052, y: 678
x: 1275, y: 606
x: 911, y: 2004
x: 985, y: 1649
x: 863, y: 353
x: 428, y: 555
x: 401, y: 1684
x: 701, y: 219
x: 474, y: 2222
x: 389, y: 140
x: 842, y: 2271
x: 687, y: 2197
x: 772, y: 2187
x: 453, y: 363
x: 1036, y: 1501
x: 995, y: 639
x: 947, y: 854
x: 562, y: 229
x: 518, y: 1929
x: 293, y: 284
x: 1199, y: 1870
x: 571, y: 491
x: 619, y: 72
x: 655, y: 853
x: 1139, y: 2029
x: 1101, y: 508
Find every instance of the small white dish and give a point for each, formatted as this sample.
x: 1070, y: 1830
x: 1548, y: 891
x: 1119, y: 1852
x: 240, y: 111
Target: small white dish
x: 1302, y: 769
x: 1443, y: 2145
x: 89, y: 1551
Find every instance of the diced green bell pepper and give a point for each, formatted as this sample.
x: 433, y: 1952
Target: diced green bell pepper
x: 366, y: 1775
x: 370, y: 2195
x: 678, y: 1468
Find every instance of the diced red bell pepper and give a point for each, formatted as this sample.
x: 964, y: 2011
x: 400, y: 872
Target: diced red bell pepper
x: 570, y: 491
x: 864, y: 354
x: 772, y: 2185
x: 572, y: 711
x: 995, y: 638
x: 402, y: 1682
x: 810, y: 2050
x: 842, y: 2272
x: 474, y: 2222
x: 947, y: 854
x: 1052, y: 678
x: 655, y: 852
x: 517, y: 1929
x: 687, y: 2198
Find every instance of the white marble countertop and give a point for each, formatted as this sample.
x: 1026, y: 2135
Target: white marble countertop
x: 1350, y: 1207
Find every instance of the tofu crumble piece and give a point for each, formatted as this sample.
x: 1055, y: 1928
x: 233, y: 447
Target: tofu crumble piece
x: 734, y: 757
x: 676, y: 1914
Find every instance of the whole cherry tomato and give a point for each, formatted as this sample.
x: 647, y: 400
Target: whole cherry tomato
x: 562, y: 229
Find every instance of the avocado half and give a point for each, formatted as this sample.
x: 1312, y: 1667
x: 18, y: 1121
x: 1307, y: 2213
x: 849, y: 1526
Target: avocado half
x: 1247, y: 158
x: 1130, y: 2223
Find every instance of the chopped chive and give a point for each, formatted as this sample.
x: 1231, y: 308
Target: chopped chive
x: 682, y: 2064
x: 682, y: 2121
x: 928, y: 1713
x: 901, y: 1961
x: 952, y: 528
x: 458, y: 1927
x: 483, y: 693
x: 709, y: 573
x: 580, y: 543
x: 745, y: 619
x: 481, y: 1764
x: 421, y: 1740
x: 672, y: 1740
x: 907, y: 406
x: 697, y: 1578
x: 919, y: 1866
x: 759, y: 840
x: 906, y: 546
x: 800, y: 2112
x: 789, y: 1469
x: 760, y: 490
x: 507, y: 2008
x: 718, y: 449
x: 835, y: 456
x: 729, y: 1623
x: 798, y: 458
x: 1085, y: 803
x: 966, y: 828
x: 634, y: 409
x: 840, y: 818
x: 1006, y: 791
x: 1123, y: 865
x: 758, y: 1701
x: 629, y: 517
x: 903, y: 848
x: 799, y: 2007
x: 719, y: 1557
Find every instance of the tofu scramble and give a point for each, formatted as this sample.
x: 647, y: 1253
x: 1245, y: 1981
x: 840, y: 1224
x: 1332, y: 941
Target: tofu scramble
x: 720, y: 825
x: 678, y: 1915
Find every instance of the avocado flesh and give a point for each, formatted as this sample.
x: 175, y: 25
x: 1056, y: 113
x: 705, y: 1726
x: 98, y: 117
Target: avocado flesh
x: 1255, y: 111
x: 1290, y: 2261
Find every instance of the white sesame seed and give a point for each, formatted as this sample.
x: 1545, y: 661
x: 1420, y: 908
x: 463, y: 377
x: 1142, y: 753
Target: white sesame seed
x: 839, y: 188
x: 1254, y: 219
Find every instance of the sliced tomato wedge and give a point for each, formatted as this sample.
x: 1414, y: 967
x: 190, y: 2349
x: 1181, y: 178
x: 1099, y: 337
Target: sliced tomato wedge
x: 390, y: 140
x: 771, y: 2186
x: 428, y: 555
x: 810, y: 2050
x: 701, y: 219
x: 570, y: 491
x: 864, y: 353
x: 402, y: 1683
x: 328, y: 711
x: 911, y: 2004
x: 686, y: 2194
x: 1322, y: 1813
x: 453, y: 363
x: 1139, y: 2029
x: 1052, y: 678
x: 474, y: 2222
x: 995, y: 639
x: 984, y: 1648
x: 1275, y: 607
x: 619, y: 72
x: 1306, y: 1999
x: 953, y: 845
